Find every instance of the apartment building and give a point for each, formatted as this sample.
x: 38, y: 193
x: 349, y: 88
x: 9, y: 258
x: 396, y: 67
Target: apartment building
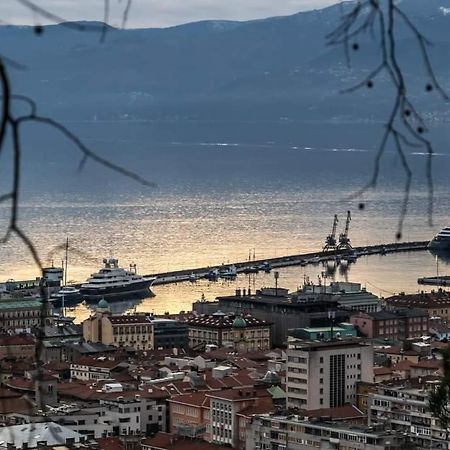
x: 402, y: 406
x: 294, y: 432
x: 394, y: 325
x: 325, y: 374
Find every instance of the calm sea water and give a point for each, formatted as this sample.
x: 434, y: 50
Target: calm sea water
x: 222, y: 192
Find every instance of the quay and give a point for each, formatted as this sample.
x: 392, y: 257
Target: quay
x: 179, y: 276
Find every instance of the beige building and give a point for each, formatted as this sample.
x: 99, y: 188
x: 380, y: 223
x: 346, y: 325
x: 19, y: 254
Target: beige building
x: 122, y: 331
x: 242, y: 332
x: 326, y: 374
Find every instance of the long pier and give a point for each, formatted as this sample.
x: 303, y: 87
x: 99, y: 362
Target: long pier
x: 178, y: 276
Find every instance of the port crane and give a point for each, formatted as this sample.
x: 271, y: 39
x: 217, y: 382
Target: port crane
x: 344, y: 240
x: 330, y: 241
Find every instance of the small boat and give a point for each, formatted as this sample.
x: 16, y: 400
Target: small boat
x: 66, y: 296
x: 192, y: 277
x: 251, y: 269
x: 303, y: 263
x: 228, y: 272
x: 212, y: 275
x: 266, y: 266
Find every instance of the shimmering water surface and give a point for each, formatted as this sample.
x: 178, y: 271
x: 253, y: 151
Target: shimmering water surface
x: 217, y: 200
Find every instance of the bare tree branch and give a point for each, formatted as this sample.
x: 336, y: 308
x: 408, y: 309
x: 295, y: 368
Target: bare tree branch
x: 404, y: 114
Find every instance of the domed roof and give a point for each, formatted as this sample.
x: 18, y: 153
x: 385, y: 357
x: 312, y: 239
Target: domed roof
x: 239, y: 322
x: 271, y: 377
x: 103, y: 304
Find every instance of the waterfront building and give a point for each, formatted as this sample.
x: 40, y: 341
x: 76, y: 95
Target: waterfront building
x: 140, y: 331
x: 393, y: 325
x: 243, y: 333
x: 325, y: 374
x: 350, y: 296
x: 285, y: 311
x: 296, y: 432
x: 436, y: 303
x: 23, y: 314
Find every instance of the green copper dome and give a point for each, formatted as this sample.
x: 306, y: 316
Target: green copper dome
x: 103, y: 304
x: 239, y: 322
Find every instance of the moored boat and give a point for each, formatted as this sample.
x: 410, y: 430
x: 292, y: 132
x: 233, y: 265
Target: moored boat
x: 114, y: 281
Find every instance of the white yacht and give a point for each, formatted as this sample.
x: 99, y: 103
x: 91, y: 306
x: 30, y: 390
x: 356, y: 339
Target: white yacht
x: 114, y: 281
x: 442, y: 240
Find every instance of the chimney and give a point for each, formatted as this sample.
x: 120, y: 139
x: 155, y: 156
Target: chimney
x: 238, y: 292
x: 249, y: 292
x: 243, y: 292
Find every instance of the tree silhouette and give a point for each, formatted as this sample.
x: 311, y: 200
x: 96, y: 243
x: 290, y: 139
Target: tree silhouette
x: 405, y: 126
x: 439, y: 398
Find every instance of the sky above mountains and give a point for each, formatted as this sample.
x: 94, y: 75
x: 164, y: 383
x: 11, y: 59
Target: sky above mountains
x: 154, y: 13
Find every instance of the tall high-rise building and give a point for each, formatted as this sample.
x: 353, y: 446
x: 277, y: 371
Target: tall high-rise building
x: 325, y: 374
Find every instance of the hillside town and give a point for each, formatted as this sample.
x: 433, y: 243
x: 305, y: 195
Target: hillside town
x: 327, y: 367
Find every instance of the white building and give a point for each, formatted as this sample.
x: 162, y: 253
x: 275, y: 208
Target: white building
x: 325, y: 374
x: 269, y: 432
x: 34, y: 435
x: 404, y: 408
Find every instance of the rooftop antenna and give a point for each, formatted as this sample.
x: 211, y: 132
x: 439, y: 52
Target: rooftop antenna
x: 276, y: 275
x: 67, y: 260
x: 331, y: 316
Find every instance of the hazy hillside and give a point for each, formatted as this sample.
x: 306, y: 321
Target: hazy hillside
x: 264, y: 69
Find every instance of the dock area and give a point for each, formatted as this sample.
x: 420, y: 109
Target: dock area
x: 179, y: 276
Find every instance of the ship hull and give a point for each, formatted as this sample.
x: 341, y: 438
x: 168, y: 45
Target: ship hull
x: 140, y: 289
x: 439, y: 244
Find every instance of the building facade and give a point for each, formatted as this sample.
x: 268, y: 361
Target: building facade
x: 25, y: 314
x: 393, y: 325
x: 243, y: 333
x: 404, y: 409
x: 325, y: 374
x: 272, y: 432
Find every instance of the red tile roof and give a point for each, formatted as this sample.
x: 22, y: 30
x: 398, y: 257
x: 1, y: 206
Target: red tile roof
x: 346, y: 412
x: 166, y: 441
x: 404, y: 365
x: 239, y: 394
x: 129, y: 319
x: 19, y: 339
x: 110, y: 443
x: 431, y: 364
x: 92, y: 362
x: 382, y: 371
x: 194, y: 399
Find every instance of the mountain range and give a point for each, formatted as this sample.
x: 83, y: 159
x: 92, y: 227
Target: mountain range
x: 278, y: 68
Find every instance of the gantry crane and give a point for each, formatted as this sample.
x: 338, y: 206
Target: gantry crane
x: 344, y: 241
x: 330, y: 241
